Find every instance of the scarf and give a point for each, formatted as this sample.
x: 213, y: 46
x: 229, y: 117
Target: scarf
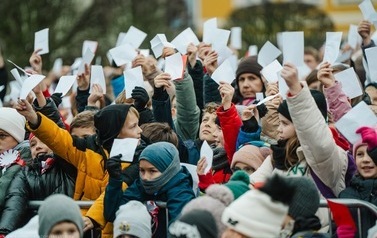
x: 220, y: 159
x: 278, y: 155
x: 44, y: 162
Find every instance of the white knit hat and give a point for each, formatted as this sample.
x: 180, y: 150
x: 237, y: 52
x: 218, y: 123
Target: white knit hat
x: 13, y: 123
x: 133, y: 219
x: 254, y: 214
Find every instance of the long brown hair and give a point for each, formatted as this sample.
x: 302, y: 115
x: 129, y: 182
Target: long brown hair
x: 291, y: 157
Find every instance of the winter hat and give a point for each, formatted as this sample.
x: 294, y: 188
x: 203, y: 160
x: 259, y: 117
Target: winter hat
x: 215, y: 200
x: 12, y: 123
x: 260, y: 213
x: 319, y: 99
x: 58, y: 208
x: 250, y: 155
x: 196, y: 223
x: 372, y: 232
x: 133, y: 219
x: 109, y: 121
x: 248, y: 65
x: 356, y: 146
x: 238, y: 183
x: 305, y: 201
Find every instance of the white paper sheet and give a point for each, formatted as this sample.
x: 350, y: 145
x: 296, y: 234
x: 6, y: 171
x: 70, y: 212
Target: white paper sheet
x: 224, y: 73
x: 259, y: 96
x: 350, y: 82
x: 18, y: 67
x: 367, y: 9
x: 253, y: 50
x: 267, y: 54
x: 126, y: 147
x: 15, y: 90
x: 220, y: 39
x: 182, y: 40
x: 2, y: 87
x: 332, y: 45
x: 91, y: 45
x: 174, y: 66
x: 123, y: 54
x: 17, y: 77
x: 303, y: 71
x: 371, y: 55
x: 270, y: 72
x: 120, y: 38
x: 157, y: 44
x: 293, y: 47
x: 41, y: 41
x: 134, y: 37
x: 223, y: 53
x: 87, y: 59
x: 269, y: 98
x: 283, y: 87
x: 192, y: 169
x: 29, y: 84
x: 144, y: 52
x: 133, y: 77
x: 360, y: 115
x: 97, y: 76
x: 58, y: 65
x: 65, y: 84
x: 353, y: 36
x: 236, y: 37
x: 209, y: 28
x: 207, y: 152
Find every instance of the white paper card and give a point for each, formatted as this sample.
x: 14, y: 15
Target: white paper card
x: 120, y: 38
x: 352, y: 120
x: 236, y: 37
x: 253, y: 50
x: 126, y: 147
x: 303, y: 71
x: 133, y: 77
x: 353, y: 36
x: 283, y: 87
x: 209, y: 28
x: 350, y: 82
x: 270, y: 72
x: 144, y: 52
x: 15, y: 90
x: 223, y: 53
x: 65, y: 84
x: 97, y: 77
x: 18, y: 67
x: 224, y: 73
x: 2, y: 88
x: 220, y: 40
x: 267, y: 54
x: 29, y: 84
x: 89, y: 44
x: 17, y: 76
x: 87, y: 59
x: 134, y: 37
x: 123, y: 54
x: 41, y: 41
x: 293, y: 47
x: 367, y: 9
x: 259, y: 96
x: 182, y: 40
x: 267, y: 99
x: 207, y: 152
x: 371, y: 55
x: 157, y: 44
x: 58, y: 65
x: 174, y: 66
x: 332, y: 45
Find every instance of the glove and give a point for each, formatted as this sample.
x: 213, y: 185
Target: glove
x: 345, y: 231
x: 57, y: 98
x: 130, y: 174
x: 114, y: 168
x: 141, y: 98
x: 369, y: 136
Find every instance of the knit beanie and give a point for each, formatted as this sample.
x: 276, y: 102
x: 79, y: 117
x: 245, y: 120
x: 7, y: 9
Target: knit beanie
x: 268, y: 206
x: 58, y: 208
x: 196, y: 223
x: 356, y: 146
x: 160, y: 154
x: 305, y: 201
x: 133, y: 219
x: 319, y: 99
x: 216, y: 198
x: 250, y: 155
x: 248, y: 65
x: 12, y: 123
x: 109, y: 121
x: 238, y: 183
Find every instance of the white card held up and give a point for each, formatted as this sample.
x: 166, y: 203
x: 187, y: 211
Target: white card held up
x: 29, y: 84
x: 157, y: 44
x: 332, y: 45
x: 144, y: 52
x: 236, y: 37
x: 267, y: 99
x: 367, y: 9
x: 350, y: 82
x: 259, y: 96
x: 182, y: 40
x: 87, y: 59
x: 303, y: 71
x: 126, y: 147
x: 221, y: 39
x: 207, y: 152
x: 58, y: 65
x: 18, y: 67
x: 89, y: 44
x: 120, y: 38
x: 17, y: 76
x: 293, y: 47
x: 224, y: 73
x: 97, y: 76
x: 65, y: 84
x: 270, y: 72
x: 123, y: 54
x: 267, y: 54
x: 360, y: 115
x: 353, y: 36
x: 174, y: 66
x: 209, y: 29
x: 283, y: 87
x: 132, y: 78
x: 223, y: 53
x: 371, y: 55
x: 15, y: 90
x: 134, y: 37
x: 41, y: 41
x: 253, y: 50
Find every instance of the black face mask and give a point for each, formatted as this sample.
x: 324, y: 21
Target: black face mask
x: 37, y: 162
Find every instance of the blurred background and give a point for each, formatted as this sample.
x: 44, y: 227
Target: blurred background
x: 73, y: 21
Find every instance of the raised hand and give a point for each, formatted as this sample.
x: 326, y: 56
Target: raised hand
x: 167, y: 51
x: 162, y: 80
x: 226, y: 91
x: 210, y: 62
x: 95, y: 97
x: 364, y: 29
x: 290, y: 74
x: 192, y: 50
x: 25, y: 109
x: 249, y: 112
x: 369, y: 136
x: 35, y: 61
x: 84, y: 78
x: 141, y: 98
x: 325, y: 75
x: 201, y: 166
x: 113, y: 166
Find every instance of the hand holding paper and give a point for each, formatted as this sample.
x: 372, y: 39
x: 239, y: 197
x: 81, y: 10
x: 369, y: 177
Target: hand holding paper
x: 207, y: 152
x: 174, y: 66
x: 41, y: 41
x: 224, y: 73
x: 64, y: 85
x: 126, y: 147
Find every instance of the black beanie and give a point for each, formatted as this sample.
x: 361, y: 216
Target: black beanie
x: 319, y: 99
x: 248, y: 65
x: 195, y: 223
x: 109, y: 121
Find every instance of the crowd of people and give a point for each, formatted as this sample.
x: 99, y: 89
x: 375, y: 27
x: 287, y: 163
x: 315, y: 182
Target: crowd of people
x: 272, y: 162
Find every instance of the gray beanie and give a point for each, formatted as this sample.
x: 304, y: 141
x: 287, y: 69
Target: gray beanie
x: 58, y: 208
x: 133, y: 219
x: 305, y: 201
